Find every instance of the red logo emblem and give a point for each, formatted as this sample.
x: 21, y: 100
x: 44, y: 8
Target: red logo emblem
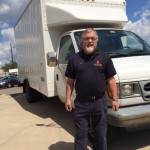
x: 97, y: 62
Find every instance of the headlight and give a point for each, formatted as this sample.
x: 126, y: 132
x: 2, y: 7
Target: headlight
x: 2, y: 83
x: 129, y: 90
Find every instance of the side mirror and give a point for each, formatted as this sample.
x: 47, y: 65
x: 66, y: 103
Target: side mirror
x: 51, y: 59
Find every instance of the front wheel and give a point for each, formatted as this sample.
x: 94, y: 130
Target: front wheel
x: 9, y: 85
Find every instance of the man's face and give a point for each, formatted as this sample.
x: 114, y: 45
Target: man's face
x: 89, y: 42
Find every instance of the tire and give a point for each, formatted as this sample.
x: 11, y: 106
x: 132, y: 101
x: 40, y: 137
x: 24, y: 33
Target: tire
x: 19, y: 84
x: 9, y: 85
x: 31, y: 94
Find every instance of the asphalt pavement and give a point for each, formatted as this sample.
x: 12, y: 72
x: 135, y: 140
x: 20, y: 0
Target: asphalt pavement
x: 46, y: 125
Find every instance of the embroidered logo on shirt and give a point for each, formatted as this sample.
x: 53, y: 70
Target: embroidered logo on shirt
x: 97, y: 63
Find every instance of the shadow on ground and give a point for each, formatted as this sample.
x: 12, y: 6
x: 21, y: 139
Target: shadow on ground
x: 49, y: 108
x: 16, y: 94
x: 53, y: 108
x: 61, y: 146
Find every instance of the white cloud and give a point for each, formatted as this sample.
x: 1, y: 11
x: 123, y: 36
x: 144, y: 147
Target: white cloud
x: 4, y: 9
x: 8, y: 34
x: 140, y: 27
x: 5, y: 55
x: 146, y: 13
x: 10, y: 10
x: 4, y: 25
x: 143, y: 10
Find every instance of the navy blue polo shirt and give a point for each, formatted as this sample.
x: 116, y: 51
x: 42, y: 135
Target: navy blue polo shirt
x: 90, y: 72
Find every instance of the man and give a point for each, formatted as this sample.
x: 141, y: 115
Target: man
x: 92, y: 72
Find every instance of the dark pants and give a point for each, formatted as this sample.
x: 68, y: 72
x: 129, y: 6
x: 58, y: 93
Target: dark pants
x: 97, y: 109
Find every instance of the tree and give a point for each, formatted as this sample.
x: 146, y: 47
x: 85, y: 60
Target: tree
x: 11, y: 65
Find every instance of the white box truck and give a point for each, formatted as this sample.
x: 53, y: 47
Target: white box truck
x: 49, y: 32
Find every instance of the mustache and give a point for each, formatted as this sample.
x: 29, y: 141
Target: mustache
x: 89, y: 44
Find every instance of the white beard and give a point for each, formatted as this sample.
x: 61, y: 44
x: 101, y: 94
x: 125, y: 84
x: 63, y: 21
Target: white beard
x: 89, y: 49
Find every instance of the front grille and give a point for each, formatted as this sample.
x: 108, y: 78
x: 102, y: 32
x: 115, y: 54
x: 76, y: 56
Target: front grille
x: 145, y: 86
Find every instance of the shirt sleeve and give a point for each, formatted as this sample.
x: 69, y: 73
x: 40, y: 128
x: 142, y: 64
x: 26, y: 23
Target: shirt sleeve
x: 70, y: 72
x: 109, y: 68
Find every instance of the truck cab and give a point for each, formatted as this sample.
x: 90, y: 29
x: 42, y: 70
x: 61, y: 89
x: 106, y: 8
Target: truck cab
x: 131, y: 58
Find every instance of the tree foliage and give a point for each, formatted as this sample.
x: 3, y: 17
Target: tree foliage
x: 11, y: 65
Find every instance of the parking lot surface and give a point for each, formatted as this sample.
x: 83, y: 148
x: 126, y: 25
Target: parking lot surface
x: 46, y: 125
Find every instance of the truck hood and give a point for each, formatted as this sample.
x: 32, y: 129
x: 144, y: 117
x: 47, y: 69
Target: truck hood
x: 132, y: 68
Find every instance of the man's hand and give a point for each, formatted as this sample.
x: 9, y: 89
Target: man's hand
x: 115, y: 105
x: 68, y: 105
x: 69, y: 89
x: 112, y: 91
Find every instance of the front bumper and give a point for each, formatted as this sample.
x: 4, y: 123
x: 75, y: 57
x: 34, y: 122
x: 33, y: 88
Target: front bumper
x: 130, y: 117
x: 2, y: 85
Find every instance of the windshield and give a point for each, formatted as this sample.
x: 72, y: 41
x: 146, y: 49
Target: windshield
x: 118, y: 43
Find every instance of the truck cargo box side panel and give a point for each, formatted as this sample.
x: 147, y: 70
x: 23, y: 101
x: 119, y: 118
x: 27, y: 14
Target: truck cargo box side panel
x: 31, y: 51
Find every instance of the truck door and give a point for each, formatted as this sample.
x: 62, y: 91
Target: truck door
x: 65, y: 51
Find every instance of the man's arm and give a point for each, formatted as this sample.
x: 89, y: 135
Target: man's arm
x: 112, y: 86
x: 69, y: 89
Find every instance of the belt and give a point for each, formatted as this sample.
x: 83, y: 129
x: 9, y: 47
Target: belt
x: 91, y: 97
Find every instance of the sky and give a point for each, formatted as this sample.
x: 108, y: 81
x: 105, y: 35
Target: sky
x: 138, y: 12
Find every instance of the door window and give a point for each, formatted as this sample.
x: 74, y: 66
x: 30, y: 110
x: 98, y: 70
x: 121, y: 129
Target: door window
x: 66, y: 49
